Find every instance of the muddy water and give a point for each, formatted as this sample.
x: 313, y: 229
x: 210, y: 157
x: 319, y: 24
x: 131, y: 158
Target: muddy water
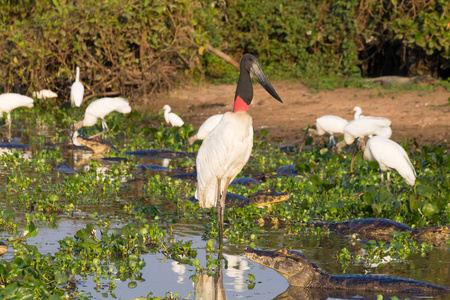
x: 161, y: 276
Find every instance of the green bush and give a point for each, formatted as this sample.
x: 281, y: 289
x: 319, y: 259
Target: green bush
x: 122, y: 47
x: 132, y: 47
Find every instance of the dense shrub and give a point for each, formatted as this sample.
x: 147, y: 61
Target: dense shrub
x: 141, y: 47
x: 323, y: 37
x: 122, y: 47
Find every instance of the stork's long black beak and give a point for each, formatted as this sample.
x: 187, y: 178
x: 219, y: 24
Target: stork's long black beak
x: 259, y: 75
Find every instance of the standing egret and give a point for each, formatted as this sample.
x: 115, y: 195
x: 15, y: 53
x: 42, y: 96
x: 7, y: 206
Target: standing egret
x: 77, y: 91
x: 10, y: 101
x: 99, y: 109
x: 367, y: 126
x: 44, y: 94
x: 358, y: 112
x: 331, y: 125
x: 390, y: 156
x: 206, y: 128
x: 227, y: 148
x: 172, y: 118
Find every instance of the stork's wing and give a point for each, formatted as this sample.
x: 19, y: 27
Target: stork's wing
x: 222, y: 155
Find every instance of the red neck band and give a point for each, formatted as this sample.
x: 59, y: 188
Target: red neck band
x: 239, y: 104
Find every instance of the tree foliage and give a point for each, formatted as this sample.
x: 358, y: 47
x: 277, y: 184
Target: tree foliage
x: 133, y: 47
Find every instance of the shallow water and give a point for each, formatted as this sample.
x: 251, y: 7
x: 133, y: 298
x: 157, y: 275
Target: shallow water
x: 161, y: 275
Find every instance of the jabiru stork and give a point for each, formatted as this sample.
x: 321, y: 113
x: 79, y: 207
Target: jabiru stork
x: 77, y: 91
x: 227, y: 148
x: 172, y: 118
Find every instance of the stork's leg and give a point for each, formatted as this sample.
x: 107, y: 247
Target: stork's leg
x: 219, y: 208
x: 382, y: 181
x: 219, y: 292
x: 388, y: 179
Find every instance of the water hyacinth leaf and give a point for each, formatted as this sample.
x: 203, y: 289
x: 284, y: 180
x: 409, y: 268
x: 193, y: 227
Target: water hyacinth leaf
x: 83, y: 234
x: 61, y: 278
x: 11, y: 290
x: 425, y: 191
x: 415, y: 202
x: 132, y: 284
x: 30, y: 230
x: 194, y: 278
x: 8, y: 214
x: 385, y: 196
x: 429, y: 209
x: 315, y: 180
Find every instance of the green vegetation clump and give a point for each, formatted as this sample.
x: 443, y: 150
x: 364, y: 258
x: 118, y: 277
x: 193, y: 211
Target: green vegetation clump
x: 143, y: 47
x: 147, y: 204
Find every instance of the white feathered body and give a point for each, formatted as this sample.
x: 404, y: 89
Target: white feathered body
x: 330, y: 124
x: 223, y: 154
x: 367, y: 126
x: 206, y: 128
x: 172, y: 118
x: 102, y: 107
x: 77, y: 91
x: 390, y: 156
x: 10, y: 101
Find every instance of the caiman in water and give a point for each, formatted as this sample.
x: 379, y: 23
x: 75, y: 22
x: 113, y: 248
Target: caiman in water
x: 374, y: 229
x: 301, y: 272
x: 261, y: 199
x: 96, y: 144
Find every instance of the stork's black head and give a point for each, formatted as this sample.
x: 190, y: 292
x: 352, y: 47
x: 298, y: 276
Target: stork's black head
x: 244, y: 91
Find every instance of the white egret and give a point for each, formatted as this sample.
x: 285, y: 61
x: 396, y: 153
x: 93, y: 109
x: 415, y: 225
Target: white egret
x: 77, y: 91
x: 390, y: 156
x: 44, y: 94
x: 358, y: 112
x: 227, y: 148
x: 172, y: 118
x: 367, y: 126
x: 331, y: 125
x: 100, y: 108
x: 206, y: 128
x: 11, y: 101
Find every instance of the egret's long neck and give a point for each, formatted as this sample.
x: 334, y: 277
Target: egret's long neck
x: 78, y: 74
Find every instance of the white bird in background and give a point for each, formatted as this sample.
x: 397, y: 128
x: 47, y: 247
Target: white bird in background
x: 390, y: 156
x: 367, y: 126
x: 358, y: 112
x: 77, y: 91
x: 172, y: 118
x: 331, y: 125
x: 206, y: 128
x: 227, y: 148
x: 44, y: 94
x: 99, y: 109
x: 11, y: 101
